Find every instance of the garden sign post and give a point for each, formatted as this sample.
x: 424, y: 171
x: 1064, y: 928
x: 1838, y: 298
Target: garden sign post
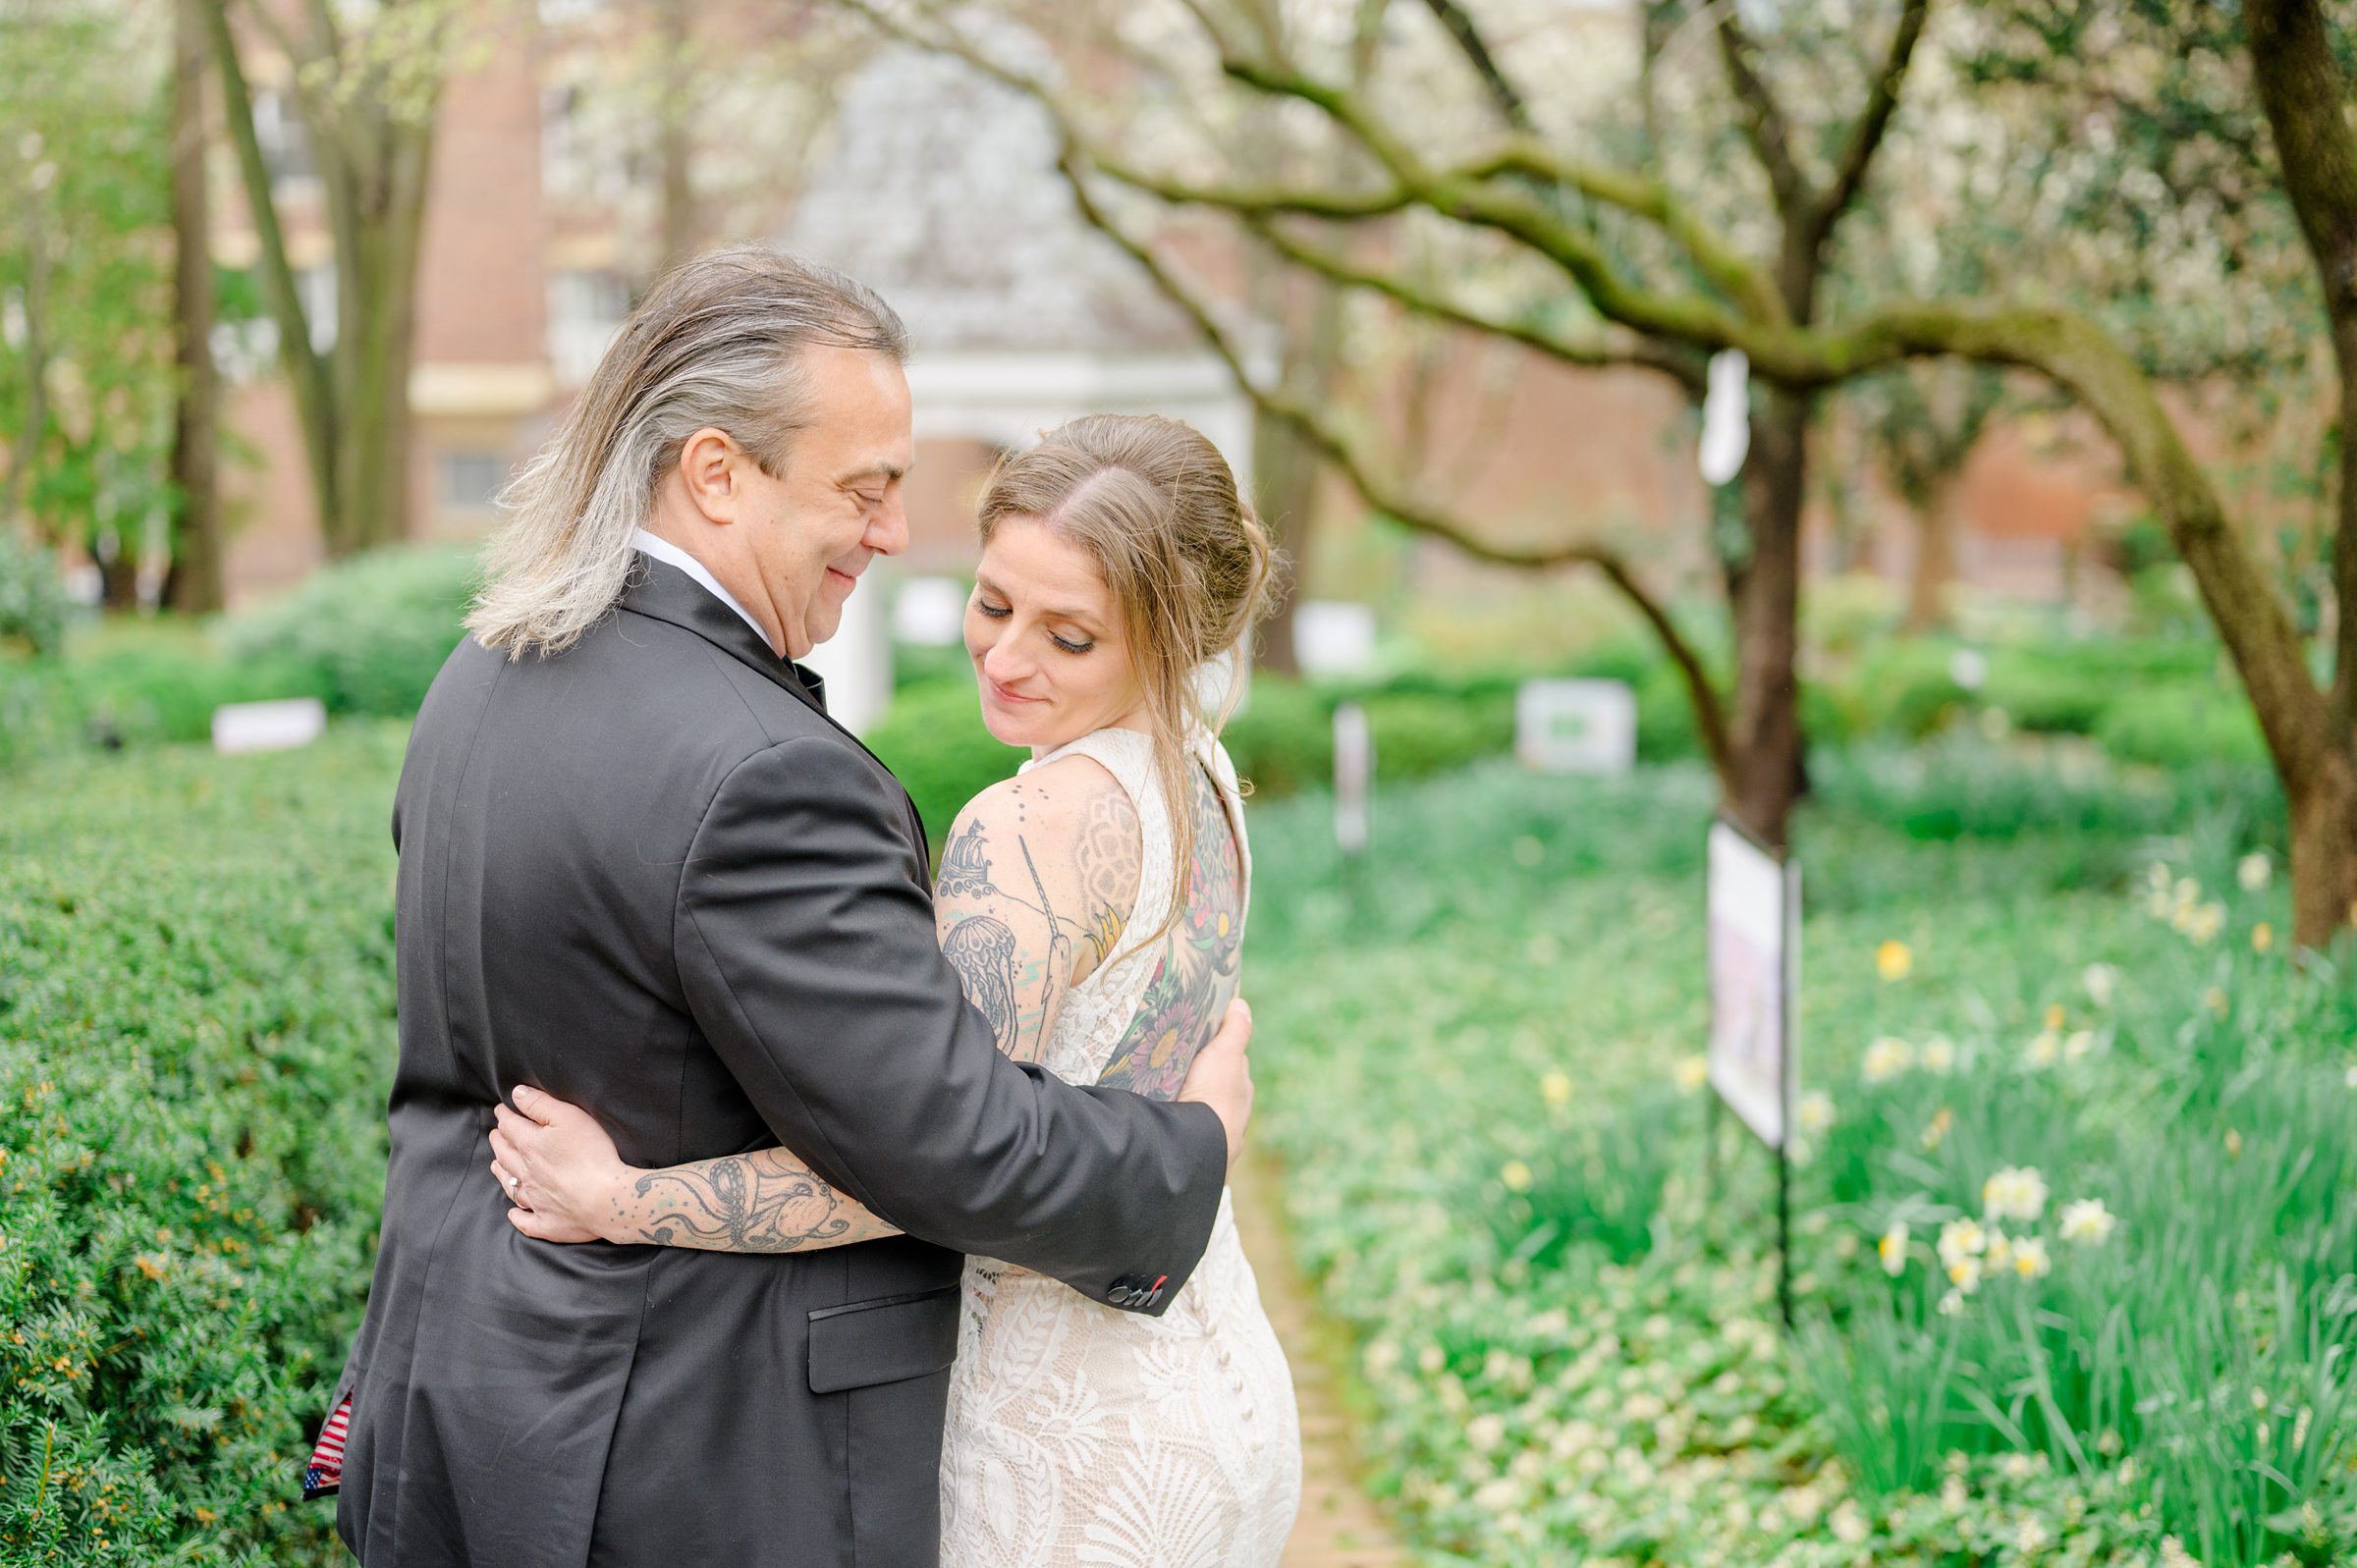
x: 1754, y: 933
x: 1353, y: 779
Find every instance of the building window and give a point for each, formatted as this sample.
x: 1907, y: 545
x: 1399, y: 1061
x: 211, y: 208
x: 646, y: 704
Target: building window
x: 585, y: 309
x: 286, y: 144
x: 469, y: 481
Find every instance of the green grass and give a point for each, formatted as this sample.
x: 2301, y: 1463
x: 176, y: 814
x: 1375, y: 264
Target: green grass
x: 1562, y: 1283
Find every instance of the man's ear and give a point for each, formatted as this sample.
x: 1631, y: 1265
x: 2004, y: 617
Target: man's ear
x: 708, y: 464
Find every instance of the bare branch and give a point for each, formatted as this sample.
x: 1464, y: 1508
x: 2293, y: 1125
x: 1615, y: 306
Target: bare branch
x: 1476, y: 51
x: 1765, y: 124
x: 1593, y: 352
x: 1866, y: 136
x: 1413, y: 512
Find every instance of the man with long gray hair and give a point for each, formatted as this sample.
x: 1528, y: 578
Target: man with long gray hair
x: 641, y: 870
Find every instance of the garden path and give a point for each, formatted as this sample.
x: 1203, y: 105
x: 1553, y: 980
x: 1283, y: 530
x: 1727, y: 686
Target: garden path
x: 1340, y: 1526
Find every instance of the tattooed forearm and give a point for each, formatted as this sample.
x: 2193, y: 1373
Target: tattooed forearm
x: 982, y: 951
x: 767, y: 1201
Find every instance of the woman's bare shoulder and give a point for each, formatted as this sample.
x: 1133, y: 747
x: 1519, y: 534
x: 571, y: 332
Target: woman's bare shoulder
x: 1069, y: 834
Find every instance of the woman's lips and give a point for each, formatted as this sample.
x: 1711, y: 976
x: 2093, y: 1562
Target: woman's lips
x: 1004, y: 697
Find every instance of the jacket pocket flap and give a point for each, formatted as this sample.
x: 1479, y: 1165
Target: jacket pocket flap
x: 883, y: 1340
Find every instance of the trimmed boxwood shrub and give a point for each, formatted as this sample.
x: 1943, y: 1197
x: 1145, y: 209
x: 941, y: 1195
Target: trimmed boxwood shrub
x: 196, y: 1038
x: 932, y: 738
x: 375, y: 629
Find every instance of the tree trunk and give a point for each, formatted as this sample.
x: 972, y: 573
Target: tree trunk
x: 1765, y: 741
x: 377, y: 267
x: 118, y: 574
x: 1285, y: 486
x: 675, y: 149
x: 193, y: 584
x: 1934, y: 566
x: 2324, y: 855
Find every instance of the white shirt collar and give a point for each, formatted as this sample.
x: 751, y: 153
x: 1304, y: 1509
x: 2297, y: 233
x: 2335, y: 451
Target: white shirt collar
x: 669, y: 553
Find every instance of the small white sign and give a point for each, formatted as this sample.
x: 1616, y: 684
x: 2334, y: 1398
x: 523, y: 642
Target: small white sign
x: 930, y: 612
x: 1725, y: 418
x: 1576, y: 725
x: 1353, y: 775
x: 268, y: 726
x: 1334, y: 637
x: 1755, y: 976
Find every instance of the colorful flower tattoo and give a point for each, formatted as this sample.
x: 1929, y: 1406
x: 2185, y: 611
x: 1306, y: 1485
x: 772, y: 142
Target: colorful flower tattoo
x: 1196, y: 976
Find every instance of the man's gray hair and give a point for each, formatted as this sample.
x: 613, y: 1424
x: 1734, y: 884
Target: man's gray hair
x: 718, y: 343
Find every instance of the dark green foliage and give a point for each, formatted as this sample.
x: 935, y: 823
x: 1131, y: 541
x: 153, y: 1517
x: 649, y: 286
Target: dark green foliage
x: 32, y: 598
x: 932, y: 738
x: 375, y: 629
x: 195, y: 1037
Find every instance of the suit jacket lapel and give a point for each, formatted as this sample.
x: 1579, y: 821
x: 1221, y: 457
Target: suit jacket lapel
x: 663, y: 592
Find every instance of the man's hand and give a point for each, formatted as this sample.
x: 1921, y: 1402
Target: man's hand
x: 1222, y: 1076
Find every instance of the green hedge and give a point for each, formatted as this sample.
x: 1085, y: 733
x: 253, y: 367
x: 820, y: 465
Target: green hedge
x: 195, y: 1039
x: 372, y: 631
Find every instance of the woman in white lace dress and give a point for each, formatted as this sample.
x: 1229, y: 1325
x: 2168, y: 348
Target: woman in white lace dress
x: 1094, y: 906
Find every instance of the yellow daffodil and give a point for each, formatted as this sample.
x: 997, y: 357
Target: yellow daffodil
x: 1515, y: 1174
x: 1691, y: 1073
x: 2263, y: 936
x: 1944, y: 1119
x: 2216, y: 1001
x: 1555, y: 1087
x: 2233, y: 1143
x: 2055, y: 1017
x: 1894, y: 960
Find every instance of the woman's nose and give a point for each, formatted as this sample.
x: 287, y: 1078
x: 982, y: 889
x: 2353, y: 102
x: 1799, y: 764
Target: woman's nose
x: 1003, y: 665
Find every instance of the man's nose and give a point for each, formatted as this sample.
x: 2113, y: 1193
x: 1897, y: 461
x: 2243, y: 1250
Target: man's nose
x: 887, y: 535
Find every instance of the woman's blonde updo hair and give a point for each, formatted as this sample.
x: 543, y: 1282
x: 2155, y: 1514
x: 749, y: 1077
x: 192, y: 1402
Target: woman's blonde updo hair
x: 1190, y: 568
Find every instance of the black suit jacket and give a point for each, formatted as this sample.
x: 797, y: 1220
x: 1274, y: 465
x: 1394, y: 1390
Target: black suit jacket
x: 650, y: 876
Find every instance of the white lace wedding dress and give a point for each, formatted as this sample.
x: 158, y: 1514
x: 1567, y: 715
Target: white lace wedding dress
x: 1082, y: 1436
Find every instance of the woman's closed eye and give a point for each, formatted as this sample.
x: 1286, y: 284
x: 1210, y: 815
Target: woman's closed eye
x: 1002, y: 612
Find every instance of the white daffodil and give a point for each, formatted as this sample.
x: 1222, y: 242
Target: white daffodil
x: 2254, y: 870
x: 1965, y: 1274
x: 2078, y: 1045
x: 1892, y: 1249
x: 2030, y: 1259
x: 1960, y: 1239
x: 1997, y: 1256
x: 2086, y: 1223
x: 1816, y: 1111
x: 1938, y: 1054
x: 1886, y: 1058
x: 2044, y: 1049
x: 2014, y: 1193
x: 1691, y: 1073
x: 2101, y: 981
